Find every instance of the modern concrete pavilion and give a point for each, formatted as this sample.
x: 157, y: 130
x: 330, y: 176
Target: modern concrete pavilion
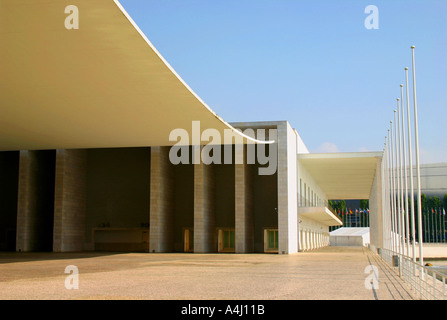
x: 85, y: 120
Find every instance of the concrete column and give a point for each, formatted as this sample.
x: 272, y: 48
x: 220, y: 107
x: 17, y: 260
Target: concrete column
x: 25, y: 221
x: 306, y: 239
x: 376, y: 208
x: 244, y: 224
x: 287, y: 189
x: 317, y: 236
x: 301, y: 244
x: 69, y: 200
x: 35, y: 205
x: 313, y: 240
x: 205, y: 239
x: 318, y: 239
x: 310, y: 243
x: 161, y: 218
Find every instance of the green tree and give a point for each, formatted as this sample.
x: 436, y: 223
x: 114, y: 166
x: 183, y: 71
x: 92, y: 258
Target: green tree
x: 364, y: 204
x: 423, y: 202
x: 437, y: 203
x: 445, y: 201
x: 430, y: 203
x: 337, y: 204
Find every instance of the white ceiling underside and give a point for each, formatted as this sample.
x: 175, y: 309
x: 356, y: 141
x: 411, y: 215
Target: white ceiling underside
x: 342, y: 175
x: 102, y: 85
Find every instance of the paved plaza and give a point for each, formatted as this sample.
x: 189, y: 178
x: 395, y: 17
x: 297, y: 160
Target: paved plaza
x: 331, y: 273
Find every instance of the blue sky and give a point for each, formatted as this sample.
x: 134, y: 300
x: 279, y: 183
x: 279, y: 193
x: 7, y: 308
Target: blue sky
x: 312, y: 63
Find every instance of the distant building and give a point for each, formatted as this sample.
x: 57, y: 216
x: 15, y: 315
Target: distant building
x: 433, y: 179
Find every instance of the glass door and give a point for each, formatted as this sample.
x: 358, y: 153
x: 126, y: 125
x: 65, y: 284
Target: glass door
x: 271, y: 240
x: 189, y: 240
x: 226, y: 240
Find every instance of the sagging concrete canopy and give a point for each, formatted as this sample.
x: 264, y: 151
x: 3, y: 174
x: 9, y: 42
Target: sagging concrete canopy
x: 343, y: 175
x: 101, y: 85
x: 322, y: 215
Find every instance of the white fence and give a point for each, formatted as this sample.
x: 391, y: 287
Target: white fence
x: 427, y: 283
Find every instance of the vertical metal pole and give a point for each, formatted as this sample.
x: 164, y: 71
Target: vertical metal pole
x: 410, y: 159
x: 385, y: 196
x: 443, y: 226
x: 401, y: 182
x: 418, y: 171
x: 404, y: 153
x: 389, y: 193
x: 399, y: 217
x: 435, y: 213
x: 393, y: 190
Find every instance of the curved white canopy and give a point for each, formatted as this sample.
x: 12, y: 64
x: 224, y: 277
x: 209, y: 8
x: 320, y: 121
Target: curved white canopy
x: 102, y: 85
x: 345, y: 175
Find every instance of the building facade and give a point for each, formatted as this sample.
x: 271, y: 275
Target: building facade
x: 86, y: 151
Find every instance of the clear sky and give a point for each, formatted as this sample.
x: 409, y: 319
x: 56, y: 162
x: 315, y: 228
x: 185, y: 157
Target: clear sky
x: 312, y: 63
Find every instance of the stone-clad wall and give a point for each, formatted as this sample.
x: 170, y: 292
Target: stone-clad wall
x: 205, y: 239
x: 69, y: 200
x: 161, y: 201
x: 244, y: 207
x: 83, y: 191
x: 287, y: 190
x: 376, y: 208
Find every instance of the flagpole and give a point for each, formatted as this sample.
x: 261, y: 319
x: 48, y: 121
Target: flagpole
x: 432, y: 226
x: 399, y: 217
x: 387, y: 189
x: 396, y: 185
x: 390, y: 184
x: 393, y: 189
x: 399, y: 167
x: 410, y: 160
x: 436, y: 226
x: 443, y: 226
x: 418, y: 172
x: 404, y: 169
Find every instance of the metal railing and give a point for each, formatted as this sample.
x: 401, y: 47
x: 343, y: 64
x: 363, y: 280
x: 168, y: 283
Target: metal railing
x: 427, y: 283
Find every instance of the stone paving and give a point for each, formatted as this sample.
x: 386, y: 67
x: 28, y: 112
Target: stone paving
x: 331, y: 273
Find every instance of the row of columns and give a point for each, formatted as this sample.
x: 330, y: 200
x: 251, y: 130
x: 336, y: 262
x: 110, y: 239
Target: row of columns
x: 205, y: 236
x: 311, y: 239
x: 64, y: 212
x: 69, y: 200
x: 51, y: 200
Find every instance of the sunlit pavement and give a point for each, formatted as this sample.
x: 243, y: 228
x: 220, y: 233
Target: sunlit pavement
x: 331, y: 273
